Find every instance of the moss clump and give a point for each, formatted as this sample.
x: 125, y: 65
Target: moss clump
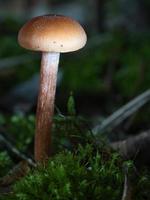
x: 21, y: 128
x: 141, y: 189
x: 85, y: 174
x: 5, y: 163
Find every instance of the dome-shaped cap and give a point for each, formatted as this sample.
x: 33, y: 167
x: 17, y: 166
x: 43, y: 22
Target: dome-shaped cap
x: 52, y: 33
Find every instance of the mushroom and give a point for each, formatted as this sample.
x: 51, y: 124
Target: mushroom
x: 52, y: 35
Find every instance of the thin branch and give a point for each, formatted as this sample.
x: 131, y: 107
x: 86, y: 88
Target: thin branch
x: 15, y: 151
x: 125, y: 188
x: 127, y: 195
x: 134, y: 146
x: 124, y: 112
x: 16, y: 173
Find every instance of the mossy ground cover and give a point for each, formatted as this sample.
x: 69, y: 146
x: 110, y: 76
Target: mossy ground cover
x: 80, y: 169
x: 84, y: 174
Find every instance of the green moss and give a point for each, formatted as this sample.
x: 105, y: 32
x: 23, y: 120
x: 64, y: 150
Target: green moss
x: 89, y: 171
x: 69, y: 131
x: 22, y: 129
x: 86, y: 174
x: 5, y: 163
x: 142, y: 186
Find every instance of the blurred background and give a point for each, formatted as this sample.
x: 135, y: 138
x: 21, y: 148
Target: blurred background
x: 112, y: 69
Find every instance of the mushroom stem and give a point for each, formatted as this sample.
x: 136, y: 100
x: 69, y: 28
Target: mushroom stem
x: 45, y: 106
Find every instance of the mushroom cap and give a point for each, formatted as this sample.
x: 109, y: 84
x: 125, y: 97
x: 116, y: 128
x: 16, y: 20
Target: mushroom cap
x: 52, y: 33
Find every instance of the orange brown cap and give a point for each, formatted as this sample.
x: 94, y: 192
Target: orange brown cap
x: 52, y: 33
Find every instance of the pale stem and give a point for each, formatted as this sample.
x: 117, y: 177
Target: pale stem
x: 45, y: 106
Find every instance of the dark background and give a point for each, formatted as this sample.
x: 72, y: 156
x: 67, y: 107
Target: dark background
x: 112, y: 69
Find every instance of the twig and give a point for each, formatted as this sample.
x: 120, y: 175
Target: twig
x: 135, y: 147
x: 120, y: 115
x: 126, y: 189
x: 16, y: 173
x: 15, y: 151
